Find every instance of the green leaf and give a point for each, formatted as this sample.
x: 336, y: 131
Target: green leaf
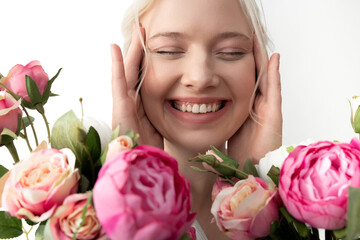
x: 289, y: 149
x: 274, y: 174
x: 340, y: 233
x: 83, y: 184
x: 3, y: 170
x: 47, y: 92
x: 39, y: 234
x: 7, y: 136
x: 93, y: 143
x: 115, y: 133
x: 299, y: 226
x: 32, y: 91
x: 65, y: 135
x: 226, y: 161
x: 10, y: 227
x: 249, y: 168
x: 26, y: 122
x: 351, y: 115
x: 31, y: 223
x: 353, y: 214
x: 185, y: 236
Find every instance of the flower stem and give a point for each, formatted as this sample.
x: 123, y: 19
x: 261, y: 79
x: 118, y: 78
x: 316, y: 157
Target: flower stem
x: 47, y: 125
x: 31, y: 124
x: 12, y: 149
x: 25, y: 135
x: 26, y: 232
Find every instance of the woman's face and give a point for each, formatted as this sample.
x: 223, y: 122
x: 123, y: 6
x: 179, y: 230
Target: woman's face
x: 201, y: 72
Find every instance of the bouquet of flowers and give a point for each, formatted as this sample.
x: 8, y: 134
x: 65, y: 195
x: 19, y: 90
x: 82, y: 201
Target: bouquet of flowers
x: 84, y: 182
x: 292, y: 193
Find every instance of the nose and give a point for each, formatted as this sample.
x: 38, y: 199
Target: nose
x: 199, y: 72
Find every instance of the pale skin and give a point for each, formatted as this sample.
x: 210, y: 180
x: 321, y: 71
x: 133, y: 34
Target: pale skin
x: 213, y: 72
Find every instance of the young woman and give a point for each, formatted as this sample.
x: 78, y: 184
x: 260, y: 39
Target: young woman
x: 197, y: 74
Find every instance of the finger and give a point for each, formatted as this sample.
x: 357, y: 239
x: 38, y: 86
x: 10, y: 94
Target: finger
x: 274, y: 83
x: 261, y: 63
x: 118, y: 82
x: 134, y: 58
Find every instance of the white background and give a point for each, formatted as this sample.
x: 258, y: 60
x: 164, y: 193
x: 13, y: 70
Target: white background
x: 319, y: 43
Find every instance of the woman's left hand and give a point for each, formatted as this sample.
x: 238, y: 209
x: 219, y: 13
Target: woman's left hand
x: 258, y: 136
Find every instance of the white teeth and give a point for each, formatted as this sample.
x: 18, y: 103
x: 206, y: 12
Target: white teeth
x: 198, y: 108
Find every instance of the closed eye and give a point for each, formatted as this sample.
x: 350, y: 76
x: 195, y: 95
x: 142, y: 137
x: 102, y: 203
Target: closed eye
x: 169, y: 52
x: 230, y: 56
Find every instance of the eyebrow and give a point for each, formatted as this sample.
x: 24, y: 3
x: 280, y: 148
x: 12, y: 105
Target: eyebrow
x: 224, y: 35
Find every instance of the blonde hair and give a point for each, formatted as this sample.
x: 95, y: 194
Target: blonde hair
x: 250, y: 9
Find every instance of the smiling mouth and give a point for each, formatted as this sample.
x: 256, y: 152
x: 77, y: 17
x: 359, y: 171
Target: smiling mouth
x: 198, y: 108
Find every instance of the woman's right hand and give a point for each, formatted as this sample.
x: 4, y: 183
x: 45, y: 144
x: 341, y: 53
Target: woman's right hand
x: 128, y: 110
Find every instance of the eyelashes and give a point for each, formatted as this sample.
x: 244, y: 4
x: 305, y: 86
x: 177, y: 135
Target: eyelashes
x: 227, y: 56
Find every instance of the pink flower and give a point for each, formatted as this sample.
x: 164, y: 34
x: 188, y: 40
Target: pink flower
x: 118, y: 145
x: 9, y: 112
x: 38, y: 184
x: 219, y: 185
x: 314, y: 182
x: 68, y: 217
x: 192, y: 233
x: 246, y: 210
x: 208, y: 167
x: 15, y: 80
x: 140, y: 194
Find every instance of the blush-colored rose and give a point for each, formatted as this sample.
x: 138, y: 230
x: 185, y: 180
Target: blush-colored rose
x: 39, y: 183
x: 208, y: 167
x: 140, y: 194
x: 314, y: 182
x: 9, y: 112
x: 246, y: 210
x: 119, y: 144
x: 16, y: 82
x: 68, y: 217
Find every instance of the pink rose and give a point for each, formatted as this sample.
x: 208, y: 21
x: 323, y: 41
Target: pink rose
x: 9, y: 112
x: 118, y: 145
x: 314, y: 182
x: 219, y: 185
x: 246, y: 210
x: 192, y: 233
x: 140, y: 194
x: 68, y: 217
x: 208, y: 167
x: 15, y: 80
x: 39, y: 183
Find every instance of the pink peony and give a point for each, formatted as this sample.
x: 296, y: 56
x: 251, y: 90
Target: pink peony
x: 15, y: 80
x: 314, y: 182
x: 39, y: 183
x: 9, y: 112
x: 246, y: 210
x: 140, y: 194
x: 68, y: 217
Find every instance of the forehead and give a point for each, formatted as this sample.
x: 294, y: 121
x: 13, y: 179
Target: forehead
x: 195, y: 16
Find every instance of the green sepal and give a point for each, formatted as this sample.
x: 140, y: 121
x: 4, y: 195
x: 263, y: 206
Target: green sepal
x: 26, y: 122
x: 1, y: 76
x: 10, y: 227
x: 39, y: 234
x: 3, y: 170
x: 32, y: 91
x: 199, y: 169
x: 249, y: 168
x: 47, y: 92
x: 357, y: 120
x: 27, y: 104
x: 115, y: 133
x: 226, y: 159
x: 353, y: 214
x: 274, y: 174
x: 7, y: 136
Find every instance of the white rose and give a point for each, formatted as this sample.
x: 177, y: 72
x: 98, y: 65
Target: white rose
x: 276, y: 158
